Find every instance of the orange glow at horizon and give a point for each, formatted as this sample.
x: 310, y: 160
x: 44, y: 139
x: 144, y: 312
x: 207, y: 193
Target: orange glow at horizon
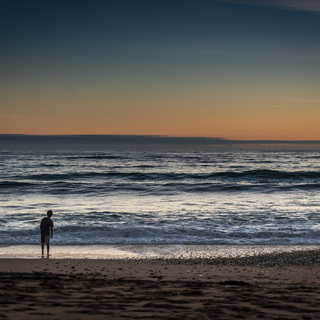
x: 243, y: 122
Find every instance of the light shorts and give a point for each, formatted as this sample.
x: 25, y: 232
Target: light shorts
x: 45, y: 239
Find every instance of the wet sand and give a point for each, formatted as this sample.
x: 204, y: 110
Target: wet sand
x: 266, y: 286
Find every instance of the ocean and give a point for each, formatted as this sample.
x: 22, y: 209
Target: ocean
x: 155, y: 198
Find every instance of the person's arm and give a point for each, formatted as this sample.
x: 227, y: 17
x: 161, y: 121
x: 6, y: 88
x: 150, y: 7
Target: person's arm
x: 51, y: 232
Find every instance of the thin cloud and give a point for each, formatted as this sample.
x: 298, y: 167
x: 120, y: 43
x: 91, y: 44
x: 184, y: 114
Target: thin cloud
x: 11, y: 116
x: 190, y: 52
x: 300, y: 5
x: 309, y: 101
x: 275, y: 106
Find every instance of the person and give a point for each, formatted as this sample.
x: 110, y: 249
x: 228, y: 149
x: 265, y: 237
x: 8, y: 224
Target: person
x: 46, y: 227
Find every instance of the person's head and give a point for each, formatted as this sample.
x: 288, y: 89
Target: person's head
x: 49, y: 213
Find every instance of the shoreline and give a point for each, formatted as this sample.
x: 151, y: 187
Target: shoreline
x: 147, y: 251
x: 298, y: 258
x: 283, y: 285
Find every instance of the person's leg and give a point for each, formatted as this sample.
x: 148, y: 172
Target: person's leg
x: 48, y: 248
x: 42, y: 243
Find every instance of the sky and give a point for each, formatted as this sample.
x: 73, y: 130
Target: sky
x: 231, y: 69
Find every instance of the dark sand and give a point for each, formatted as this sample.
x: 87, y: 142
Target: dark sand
x: 272, y: 286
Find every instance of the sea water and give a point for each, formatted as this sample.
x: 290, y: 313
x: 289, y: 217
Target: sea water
x: 177, y: 198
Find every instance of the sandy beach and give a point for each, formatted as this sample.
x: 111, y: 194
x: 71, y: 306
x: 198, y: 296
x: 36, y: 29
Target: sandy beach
x: 266, y: 286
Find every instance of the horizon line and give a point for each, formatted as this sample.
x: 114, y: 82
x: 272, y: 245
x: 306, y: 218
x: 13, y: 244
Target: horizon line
x: 167, y: 137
